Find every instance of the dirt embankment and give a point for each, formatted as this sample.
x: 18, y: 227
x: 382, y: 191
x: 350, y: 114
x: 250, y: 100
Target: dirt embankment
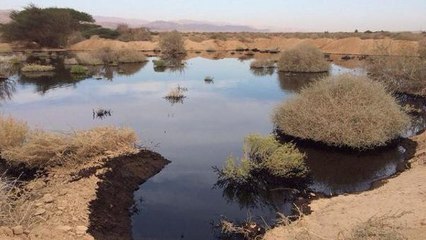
x: 402, y: 199
x: 90, y: 202
x: 353, y: 45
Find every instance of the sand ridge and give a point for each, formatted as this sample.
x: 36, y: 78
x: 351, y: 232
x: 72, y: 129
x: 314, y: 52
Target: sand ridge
x: 351, y: 45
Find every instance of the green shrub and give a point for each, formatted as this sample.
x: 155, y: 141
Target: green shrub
x: 259, y: 147
x: 286, y: 162
x: 101, y: 32
x: 37, y: 68
x: 303, y: 58
x: 237, y: 173
x: 265, y: 154
x: 159, y: 63
x: 343, y: 111
x: 78, y: 69
x: 172, y: 44
x: 49, y: 27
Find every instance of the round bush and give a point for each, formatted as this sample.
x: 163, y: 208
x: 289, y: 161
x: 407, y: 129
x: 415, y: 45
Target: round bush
x: 343, y: 111
x: 303, y: 58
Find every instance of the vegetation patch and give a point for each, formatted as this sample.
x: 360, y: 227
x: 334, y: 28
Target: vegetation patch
x: 377, y: 228
x: 37, y: 149
x: 303, y: 58
x: 37, y: 68
x: 343, y: 111
x: 130, y: 56
x: 78, y: 69
x: 172, y: 44
x: 16, y: 207
x: 405, y: 74
x: 265, y: 154
x: 176, y: 95
x: 48, y: 27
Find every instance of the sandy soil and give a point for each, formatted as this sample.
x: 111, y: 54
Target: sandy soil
x: 334, y: 218
x: 88, y: 202
x: 336, y: 46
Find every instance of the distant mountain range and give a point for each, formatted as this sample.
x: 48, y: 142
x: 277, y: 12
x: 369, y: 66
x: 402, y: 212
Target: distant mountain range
x: 181, y: 25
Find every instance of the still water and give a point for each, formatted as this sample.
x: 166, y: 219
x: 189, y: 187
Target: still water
x: 182, y: 202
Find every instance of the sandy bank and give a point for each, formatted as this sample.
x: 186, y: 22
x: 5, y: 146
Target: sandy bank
x: 403, y: 195
x: 90, y: 202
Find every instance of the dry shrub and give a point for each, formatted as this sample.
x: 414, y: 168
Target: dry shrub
x: 5, y: 70
x: 133, y: 34
x: 12, y: 132
x: 343, y: 111
x: 86, y: 58
x: 16, y: 207
x: 172, y: 44
x: 43, y: 149
x: 176, y: 93
x: 37, y: 68
x: 402, y: 73
x: 422, y: 48
x: 130, y: 56
x: 107, y: 56
x: 303, y: 58
x: 376, y: 228
x: 262, y: 63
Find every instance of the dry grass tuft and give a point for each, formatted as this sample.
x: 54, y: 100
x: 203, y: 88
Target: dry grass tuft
x: 43, y: 149
x: 176, y: 93
x: 16, y: 209
x: 343, y: 111
x: 37, y: 68
x: 303, y: 58
x: 12, y: 132
x: 376, y: 228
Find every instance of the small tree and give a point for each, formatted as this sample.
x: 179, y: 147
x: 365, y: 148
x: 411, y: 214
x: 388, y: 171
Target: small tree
x: 49, y: 27
x: 172, y: 44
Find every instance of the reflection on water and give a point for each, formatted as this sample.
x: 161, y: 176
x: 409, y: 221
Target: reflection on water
x: 7, y: 88
x: 296, y: 81
x: 335, y: 172
x: 196, y: 135
x: 262, y: 71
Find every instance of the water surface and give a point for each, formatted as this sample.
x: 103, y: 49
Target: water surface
x: 210, y: 124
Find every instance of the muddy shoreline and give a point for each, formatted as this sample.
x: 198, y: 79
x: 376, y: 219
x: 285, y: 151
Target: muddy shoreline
x: 110, y: 212
x: 92, y: 201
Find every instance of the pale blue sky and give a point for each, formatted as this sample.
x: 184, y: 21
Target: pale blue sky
x: 308, y: 15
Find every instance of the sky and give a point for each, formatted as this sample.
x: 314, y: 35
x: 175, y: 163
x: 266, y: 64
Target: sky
x: 279, y: 15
